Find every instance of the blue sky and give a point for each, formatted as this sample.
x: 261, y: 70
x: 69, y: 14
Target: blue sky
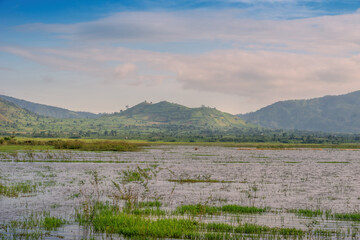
x: 236, y: 55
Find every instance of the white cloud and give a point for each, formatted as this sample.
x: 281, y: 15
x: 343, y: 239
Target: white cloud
x: 270, y: 60
x: 259, y: 76
x: 327, y: 34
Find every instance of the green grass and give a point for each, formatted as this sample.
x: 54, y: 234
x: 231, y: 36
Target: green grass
x: 198, y: 181
x: 112, y: 220
x: 318, y: 213
x: 149, y: 211
x: 204, y: 155
x: 47, y: 143
x: 149, y: 204
x: 15, y: 148
x: 83, y: 145
x: 199, y: 209
x: 37, y: 220
x: 52, y: 223
x: 17, y: 189
x: 333, y: 162
x: 96, y: 146
x: 68, y: 161
x: 307, y: 212
x: 347, y: 216
x: 236, y: 209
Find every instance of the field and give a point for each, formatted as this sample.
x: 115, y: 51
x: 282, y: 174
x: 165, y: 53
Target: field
x: 180, y: 192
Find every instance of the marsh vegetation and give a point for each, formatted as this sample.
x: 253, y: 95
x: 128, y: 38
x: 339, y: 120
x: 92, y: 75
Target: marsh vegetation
x: 186, y: 192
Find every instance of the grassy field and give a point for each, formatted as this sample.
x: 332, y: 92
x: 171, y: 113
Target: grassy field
x: 15, y: 144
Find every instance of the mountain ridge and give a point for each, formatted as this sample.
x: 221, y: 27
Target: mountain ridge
x: 171, y: 113
x: 331, y: 113
x: 47, y: 110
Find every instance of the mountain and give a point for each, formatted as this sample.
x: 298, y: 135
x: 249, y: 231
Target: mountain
x: 165, y: 113
x: 328, y: 114
x: 49, y: 111
x: 10, y: 113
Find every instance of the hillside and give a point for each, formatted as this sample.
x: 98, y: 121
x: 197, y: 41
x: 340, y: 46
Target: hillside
x: 48, y: 111
x: 165, y: 113
x: 14, y: 118
x: 329, y: 114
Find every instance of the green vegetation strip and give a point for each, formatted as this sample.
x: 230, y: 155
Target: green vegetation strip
x: 198, y: 181
x: 17, y: 189
x: 112, y: 220
x: 66, y: 161
x: 328, y: 214
x: 307, y: 212
x: 334, y: 162
x: 99, y: 145
x: 42, y: 220
x: 198, y: 209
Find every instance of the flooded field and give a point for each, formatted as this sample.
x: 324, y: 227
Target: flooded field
x: 314, y: 192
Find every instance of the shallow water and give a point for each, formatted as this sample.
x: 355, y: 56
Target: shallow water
x: 279, y: 179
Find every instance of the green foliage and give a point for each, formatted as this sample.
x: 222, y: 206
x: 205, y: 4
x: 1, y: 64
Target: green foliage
x: 307, y: 212
x: 16, y: 189
x: 347, y: 216
x: 199, y: 209
x: 52, y: 223
x: 162, y: 121
x: 242, y: 209
x: 111, y: 220
x: 198, y: 181
x: 95, y: 146
x: 107, y: 220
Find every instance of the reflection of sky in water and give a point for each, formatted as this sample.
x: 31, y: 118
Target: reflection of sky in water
x: 280, y: 179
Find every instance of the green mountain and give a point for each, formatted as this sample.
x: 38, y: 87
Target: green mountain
x: 48, y: 111
x: 159, y: 121
x: 10, y: 113
x: 165, y: 113
x: 13, y: 118
x: 328, y: 114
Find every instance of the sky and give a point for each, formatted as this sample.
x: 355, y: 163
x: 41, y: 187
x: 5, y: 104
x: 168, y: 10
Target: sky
x: 235, y: 55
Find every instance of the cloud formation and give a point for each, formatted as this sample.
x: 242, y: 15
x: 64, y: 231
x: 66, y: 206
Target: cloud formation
x: 259, y: 75
x: 326, y: 34
x: 264, y: 61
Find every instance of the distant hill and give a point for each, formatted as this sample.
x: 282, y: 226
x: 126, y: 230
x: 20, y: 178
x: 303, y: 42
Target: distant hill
x: 163, y: 113
x: 328, y: 114
x: 49, y: 111
x: 10, y: 112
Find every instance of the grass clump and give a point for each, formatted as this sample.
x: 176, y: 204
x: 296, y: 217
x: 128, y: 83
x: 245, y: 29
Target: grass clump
x: 148, y: 211
x: 110, y: 219
x: 197, y: 209
x: 242, y: 209
x: 52, y: 223
x: 35, y: 221
x: 347, y: 216
x: 198, y: 181
x: 307, y: 212
x: 17, y: 189
x: 156, y: 204
x: 95, y: 146
x: 137, y: 175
